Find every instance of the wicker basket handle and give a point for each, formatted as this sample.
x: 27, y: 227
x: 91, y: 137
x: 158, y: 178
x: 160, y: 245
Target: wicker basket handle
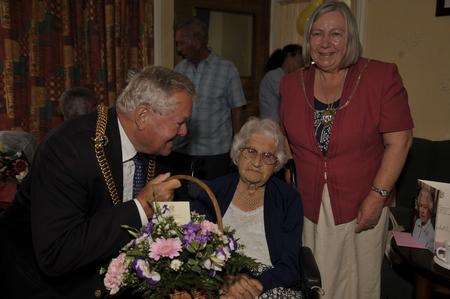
x: 208, y: 191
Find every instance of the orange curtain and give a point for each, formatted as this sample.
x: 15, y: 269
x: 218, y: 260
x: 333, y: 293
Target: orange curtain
x: 47, y: 46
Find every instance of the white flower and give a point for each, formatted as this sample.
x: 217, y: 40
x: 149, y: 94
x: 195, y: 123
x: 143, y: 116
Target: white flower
x: 213, y: 263
x: 21, y: 175
x: 176, y: 264
x: 143, y: 237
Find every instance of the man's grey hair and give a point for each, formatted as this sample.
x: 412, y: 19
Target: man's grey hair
x: 154, y: 86
x: 265, y: 127
x: 197, y: 28
x: 354, y: 48
x: 76, y: 101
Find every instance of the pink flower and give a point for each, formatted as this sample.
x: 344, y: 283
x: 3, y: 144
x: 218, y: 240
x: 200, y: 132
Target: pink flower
x: 208, y: 226
x: 165, y: 248
x: 114, y: 275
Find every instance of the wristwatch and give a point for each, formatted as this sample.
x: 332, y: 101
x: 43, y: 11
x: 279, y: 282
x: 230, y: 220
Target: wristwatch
x: 383, y: 192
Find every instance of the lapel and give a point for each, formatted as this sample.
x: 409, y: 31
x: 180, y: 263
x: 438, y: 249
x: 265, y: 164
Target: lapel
x: 349, y: 85
x: 113, y: 150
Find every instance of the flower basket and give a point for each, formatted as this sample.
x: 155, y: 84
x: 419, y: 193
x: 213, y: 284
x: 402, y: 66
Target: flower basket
x: 167, y: 260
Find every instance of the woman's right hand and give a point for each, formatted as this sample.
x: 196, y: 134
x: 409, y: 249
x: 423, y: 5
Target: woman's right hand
x: 241, y: 286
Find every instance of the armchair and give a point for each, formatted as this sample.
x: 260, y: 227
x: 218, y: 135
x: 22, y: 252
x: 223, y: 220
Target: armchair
x: 310, y: 281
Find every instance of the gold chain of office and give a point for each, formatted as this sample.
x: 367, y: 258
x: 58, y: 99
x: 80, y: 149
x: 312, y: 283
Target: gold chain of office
x: 100, y: 141
x: 329, y: 113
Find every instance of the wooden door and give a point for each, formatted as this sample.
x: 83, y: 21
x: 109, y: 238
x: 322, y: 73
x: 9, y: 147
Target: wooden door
x: 259, y: 13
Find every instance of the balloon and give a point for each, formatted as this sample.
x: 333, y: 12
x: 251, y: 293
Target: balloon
x: 304, y: 15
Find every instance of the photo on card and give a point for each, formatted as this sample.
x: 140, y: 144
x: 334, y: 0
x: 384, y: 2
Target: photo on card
x: 425, y: 215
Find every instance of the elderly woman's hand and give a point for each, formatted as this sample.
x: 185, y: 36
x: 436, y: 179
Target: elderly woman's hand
x: 369, y: 212
x: 241, y: 286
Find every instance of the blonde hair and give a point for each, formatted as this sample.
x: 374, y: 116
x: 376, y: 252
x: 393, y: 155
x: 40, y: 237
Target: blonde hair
x: 354, y: 48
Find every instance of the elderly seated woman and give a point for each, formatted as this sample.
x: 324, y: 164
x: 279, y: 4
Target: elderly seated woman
x: 265, y: 211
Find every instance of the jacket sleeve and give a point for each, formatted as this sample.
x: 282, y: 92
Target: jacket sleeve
x: 395, y: 113
x: 72, y: 225
x: 285, y: 272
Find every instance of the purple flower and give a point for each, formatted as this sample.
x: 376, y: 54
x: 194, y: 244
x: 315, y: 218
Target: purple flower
x: 165, y: 209
x: 148, y: 229
x: 212, y: 273
x: 190, y: 232
x: 232, y: 244
x: 142, y: 269
x: 191, y: 228
x: 202, y: 239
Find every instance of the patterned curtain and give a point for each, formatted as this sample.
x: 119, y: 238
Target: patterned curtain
x: 47, y: 46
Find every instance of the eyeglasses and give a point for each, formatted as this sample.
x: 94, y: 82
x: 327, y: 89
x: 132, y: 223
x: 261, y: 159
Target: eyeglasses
x: 252, y: 154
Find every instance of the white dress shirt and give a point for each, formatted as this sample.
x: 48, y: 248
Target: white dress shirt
x: 128, y: 152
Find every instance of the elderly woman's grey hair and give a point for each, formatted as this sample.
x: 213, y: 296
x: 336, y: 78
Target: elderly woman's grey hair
x: 76, y: 101
x: 19, y: 141
x: 354, y: 48
x: 196, y: 28
x: 427, y: 196
x: 265, y: 127
x: 154, y: 86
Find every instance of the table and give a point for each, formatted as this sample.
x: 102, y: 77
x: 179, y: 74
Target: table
x: 428, y: 275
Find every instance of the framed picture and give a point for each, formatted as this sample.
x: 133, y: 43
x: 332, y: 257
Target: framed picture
x: 442, y: 8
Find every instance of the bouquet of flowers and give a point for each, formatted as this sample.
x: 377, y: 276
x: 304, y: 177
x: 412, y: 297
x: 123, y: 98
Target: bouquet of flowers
x: 13, y: 165
x: 166, y: 257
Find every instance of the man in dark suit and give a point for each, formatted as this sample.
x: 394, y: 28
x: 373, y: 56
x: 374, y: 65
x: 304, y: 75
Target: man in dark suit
x: 84, y: 184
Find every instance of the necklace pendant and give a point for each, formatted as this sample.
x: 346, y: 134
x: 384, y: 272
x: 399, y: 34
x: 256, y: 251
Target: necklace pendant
x: 328, y: 116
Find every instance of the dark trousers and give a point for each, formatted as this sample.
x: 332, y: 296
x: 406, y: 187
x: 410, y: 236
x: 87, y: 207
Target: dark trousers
x: 201, y: 167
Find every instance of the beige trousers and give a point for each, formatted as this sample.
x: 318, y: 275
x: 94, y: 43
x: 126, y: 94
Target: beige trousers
x: 349, y: 263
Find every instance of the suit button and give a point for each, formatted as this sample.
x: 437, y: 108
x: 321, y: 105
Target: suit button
x: 98, y: 293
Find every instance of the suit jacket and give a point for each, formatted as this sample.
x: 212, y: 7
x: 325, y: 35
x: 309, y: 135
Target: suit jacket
x: 63, y: 222
x: 283, y: 223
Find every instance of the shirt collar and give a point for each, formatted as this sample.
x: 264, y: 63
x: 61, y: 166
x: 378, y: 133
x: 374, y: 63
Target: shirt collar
x: 207, y: 60
x: 128, y: 150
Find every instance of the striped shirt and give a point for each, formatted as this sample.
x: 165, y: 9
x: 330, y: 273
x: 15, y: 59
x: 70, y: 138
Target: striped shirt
x: 219, y: 89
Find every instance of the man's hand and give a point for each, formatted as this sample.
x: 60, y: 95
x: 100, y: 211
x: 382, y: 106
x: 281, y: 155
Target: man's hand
x: 369, y: 212
x: 157, y: 189
x: 242, y: 286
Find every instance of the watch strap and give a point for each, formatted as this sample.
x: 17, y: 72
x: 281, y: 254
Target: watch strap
x: 382, y: 192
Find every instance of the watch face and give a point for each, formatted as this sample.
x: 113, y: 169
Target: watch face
x: 382, y: 192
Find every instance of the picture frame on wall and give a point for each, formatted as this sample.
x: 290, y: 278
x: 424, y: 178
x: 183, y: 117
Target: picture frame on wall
x: 442, y: 8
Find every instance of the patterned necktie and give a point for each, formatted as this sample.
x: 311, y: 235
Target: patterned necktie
x: 140, y: 163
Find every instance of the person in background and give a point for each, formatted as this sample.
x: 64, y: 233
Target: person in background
x: 216, y: 115
x: 90, y: 176
x: 76, y: 101
x: 265, y: 211
x: 349, y: 127
x: 281, y: 62
x: 423, y: 227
